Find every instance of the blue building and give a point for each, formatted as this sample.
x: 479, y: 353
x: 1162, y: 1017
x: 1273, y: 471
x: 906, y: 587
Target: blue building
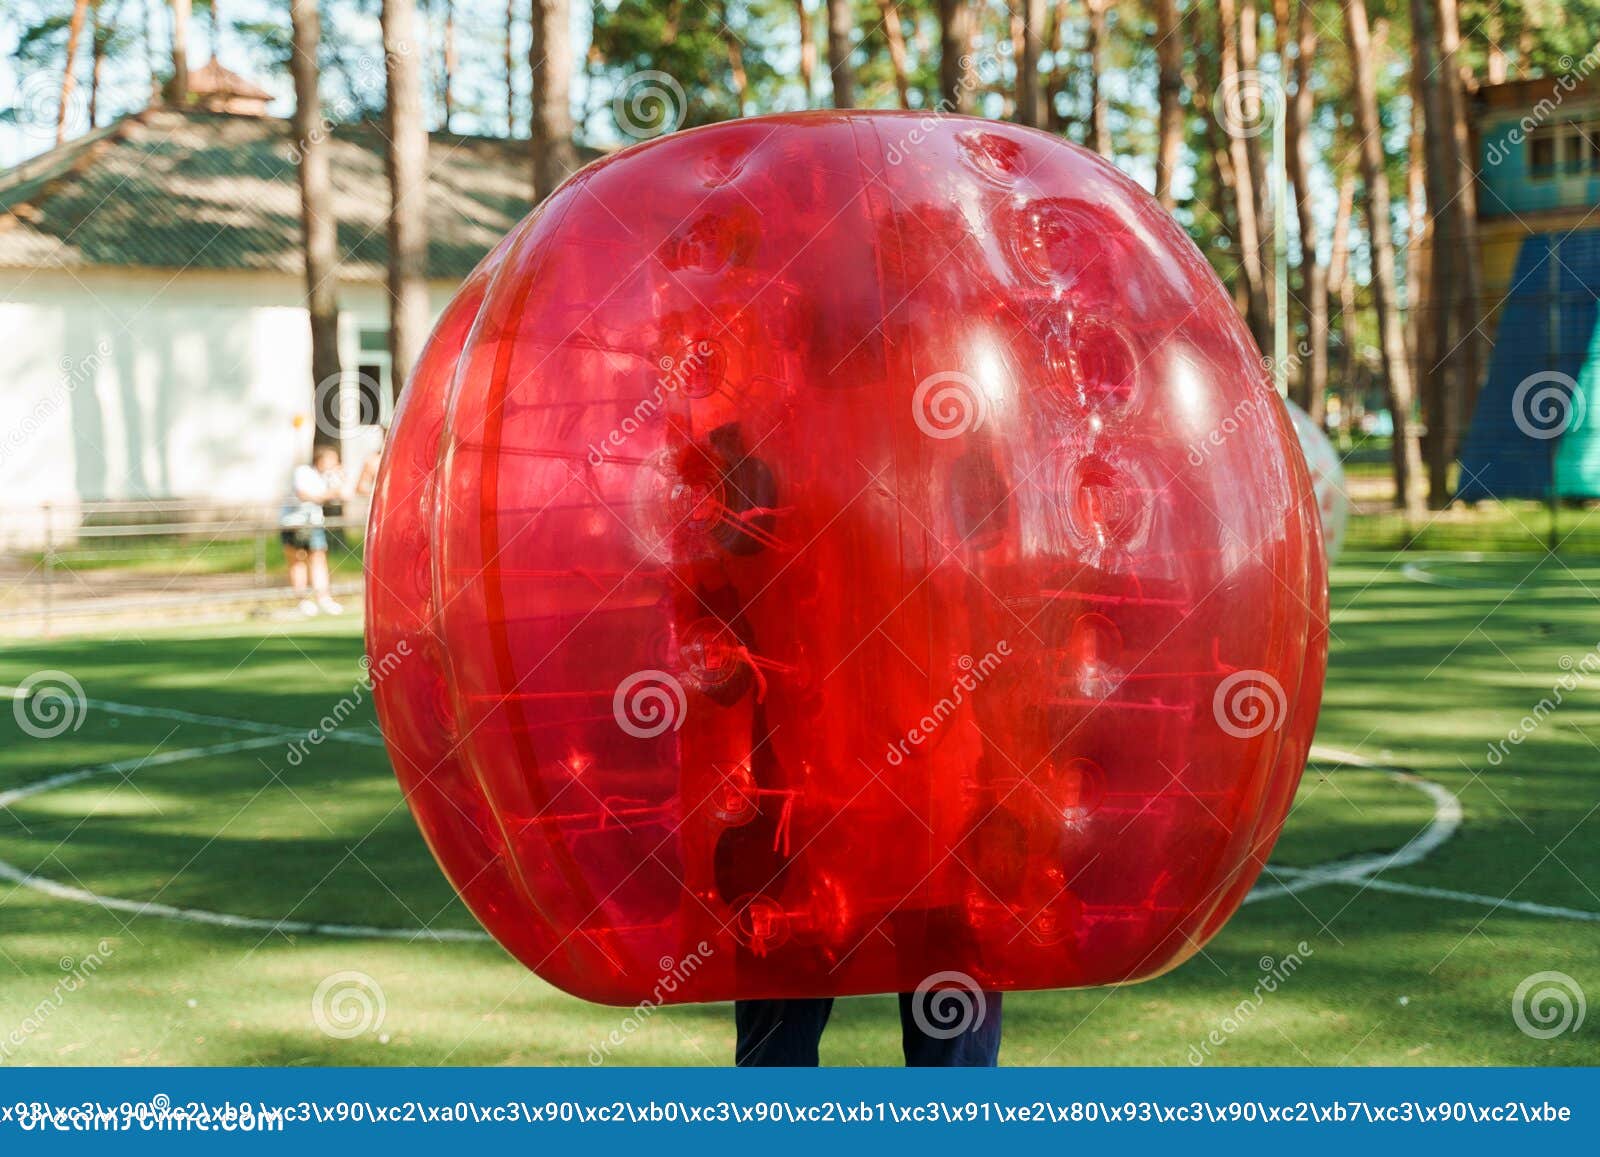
x: 1534, y: 433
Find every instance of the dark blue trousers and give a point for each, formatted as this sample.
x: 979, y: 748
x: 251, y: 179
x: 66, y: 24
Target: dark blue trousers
x: 787, y: 1032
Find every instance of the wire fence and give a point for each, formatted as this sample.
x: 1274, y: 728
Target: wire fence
x: 65, y: 567
x: 98, y: 564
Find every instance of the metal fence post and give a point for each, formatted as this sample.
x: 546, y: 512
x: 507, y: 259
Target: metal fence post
x: 49, y: 565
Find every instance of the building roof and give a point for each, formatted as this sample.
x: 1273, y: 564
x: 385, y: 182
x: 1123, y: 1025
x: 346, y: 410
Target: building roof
x: 188, y: 189
x: 211, y: 86
x: 1529, y: 92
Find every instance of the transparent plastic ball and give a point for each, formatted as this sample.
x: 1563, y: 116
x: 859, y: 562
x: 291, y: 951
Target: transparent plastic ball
x: 1327, y: 479
x: 816, y: 565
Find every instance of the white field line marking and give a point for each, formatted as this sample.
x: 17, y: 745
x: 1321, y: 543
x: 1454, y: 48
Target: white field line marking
x: 1418, y: 572
x: 1474, y: 898
x: 1358, y: 869
x: 356, y: 735
x: 1363, y: 871
x: 60, y: 891
x: 7, y: 798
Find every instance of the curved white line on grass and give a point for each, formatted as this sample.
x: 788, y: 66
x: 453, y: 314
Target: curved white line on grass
x: 59, y: 891
x: 7, y: 798
x: 343, y: 735
x: 1419, y: 573
x: 366, y: 737
x: 1359, y: 869
x: 1527, y: 906
x: 1363, y: 871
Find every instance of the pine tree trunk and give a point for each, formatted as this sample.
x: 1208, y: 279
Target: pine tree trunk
x: 839, y: 24
x: 409, y: 311
x: 1203, y: 93
x: 1169, y: 58
x: 1030, y: 103
x: 1342, y: 288
x: 318, y: 229
x: 1245, y: 198
x: 511, y: 68
x: 1056, y: 82
x: 447, y: 72
x: 738, y: 78
x: 1099, y: 130
x: 550, y: 127
x: 808, y: 49
x: 178, y: 85
x: 1298, y: 145
x: 1463, y: 191
x: 1417, y: 240
x: 97, y: 59
x: 80, y: 9
x: 957, y: 78
x: 896, y: 36
x: 1407, y: 457
x: 1247, y: 45
x: 1497, y: 64
x: 1438, y: 322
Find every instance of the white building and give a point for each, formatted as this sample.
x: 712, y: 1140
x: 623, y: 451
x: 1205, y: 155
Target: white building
x: 153, y: 338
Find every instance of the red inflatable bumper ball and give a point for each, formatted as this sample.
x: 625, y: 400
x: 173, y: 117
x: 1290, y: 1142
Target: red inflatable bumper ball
x: 819, y: 552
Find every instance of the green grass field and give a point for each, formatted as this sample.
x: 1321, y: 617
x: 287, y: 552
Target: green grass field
x: 1433, y: 660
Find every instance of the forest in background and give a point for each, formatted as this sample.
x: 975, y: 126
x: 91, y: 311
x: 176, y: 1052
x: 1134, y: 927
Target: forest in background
x: 1383, y: 299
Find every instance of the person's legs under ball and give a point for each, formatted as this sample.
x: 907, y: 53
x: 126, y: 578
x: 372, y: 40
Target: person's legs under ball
x: 950, y: 1028
x: 320, y: 579
x: 779, y: 1032
x: 297, y: 558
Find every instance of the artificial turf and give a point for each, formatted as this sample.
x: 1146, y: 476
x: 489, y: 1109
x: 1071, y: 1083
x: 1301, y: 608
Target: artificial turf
x: 1433, y: 660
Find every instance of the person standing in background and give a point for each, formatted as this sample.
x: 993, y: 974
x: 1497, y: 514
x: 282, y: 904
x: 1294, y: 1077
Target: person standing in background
x: 302, y: 529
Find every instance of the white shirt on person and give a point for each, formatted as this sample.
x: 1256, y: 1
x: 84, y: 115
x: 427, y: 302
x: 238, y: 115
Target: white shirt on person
x: 308, y: 490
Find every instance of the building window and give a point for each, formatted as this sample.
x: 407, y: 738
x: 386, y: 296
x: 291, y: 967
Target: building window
x: 1589, y: 147
x: 372, y: 375
x: 369, y: 395
x: 1542, y: 154
x: 1567, y: 149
